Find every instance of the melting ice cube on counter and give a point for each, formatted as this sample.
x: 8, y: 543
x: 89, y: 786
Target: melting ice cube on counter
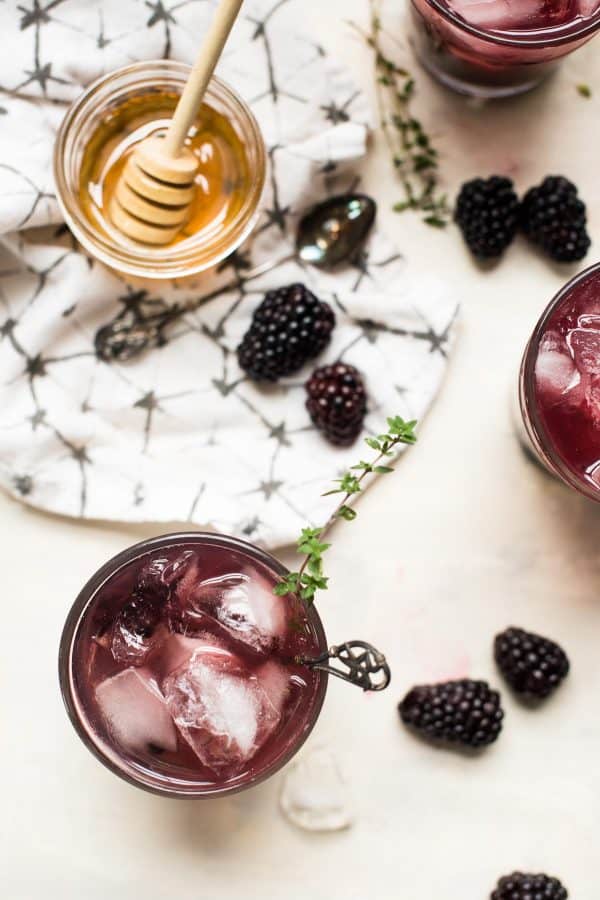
x: 314, y: 796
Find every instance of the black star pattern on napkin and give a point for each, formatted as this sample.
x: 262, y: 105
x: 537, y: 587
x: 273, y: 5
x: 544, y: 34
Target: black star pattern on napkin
x: 48, y: 367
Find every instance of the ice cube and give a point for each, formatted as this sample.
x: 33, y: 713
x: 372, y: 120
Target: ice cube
x: 274, y: 680
x: 185, y: 611
x: 487, y: 13
x: 589, y: 321
x: 220, y: 710
x: 178, y: 649
x: 248, y: 608
x: 555, y: 373
x: 504, y: 15
x: 135, y: 712
x: 314, y: 795
x: 551, y: 12
x: 587, y: 7
x: 183, y: 566
x: 138, y: 630
x: 592, y: 395
x: 584, y: 344
x: 553, y: 340
x: 242, y: 606
x: 593, y: 473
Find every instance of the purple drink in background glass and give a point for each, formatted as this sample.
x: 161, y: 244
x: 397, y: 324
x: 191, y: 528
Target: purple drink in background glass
x: 559, y: 386
x: 497, y: 48
x: 178, y: 666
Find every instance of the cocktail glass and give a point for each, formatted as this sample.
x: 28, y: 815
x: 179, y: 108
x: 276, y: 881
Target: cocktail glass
x: 498, y: 48
x: 559, y: 385
x: 180, y: 670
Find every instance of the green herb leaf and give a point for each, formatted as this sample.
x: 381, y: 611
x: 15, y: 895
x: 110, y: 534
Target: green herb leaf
x: 585, y: 90
x: 310, y: 578
x: 413, y: 154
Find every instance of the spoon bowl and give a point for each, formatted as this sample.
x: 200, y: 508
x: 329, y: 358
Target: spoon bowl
x: 332, y: 231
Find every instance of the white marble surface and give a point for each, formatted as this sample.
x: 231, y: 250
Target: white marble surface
x: 464, y: 539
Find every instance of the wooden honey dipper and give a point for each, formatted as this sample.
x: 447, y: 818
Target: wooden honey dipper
x: 153, y: 196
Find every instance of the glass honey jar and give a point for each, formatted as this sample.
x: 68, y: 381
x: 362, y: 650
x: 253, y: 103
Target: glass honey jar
x: 100, y: 131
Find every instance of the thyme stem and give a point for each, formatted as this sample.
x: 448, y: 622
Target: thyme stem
x: 310, y: 578
x: 414, y: 157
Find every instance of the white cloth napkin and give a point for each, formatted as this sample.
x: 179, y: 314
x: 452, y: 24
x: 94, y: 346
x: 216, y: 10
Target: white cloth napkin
x: 179, y: 434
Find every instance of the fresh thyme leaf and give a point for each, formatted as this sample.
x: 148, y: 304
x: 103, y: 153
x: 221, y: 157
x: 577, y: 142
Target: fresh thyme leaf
x: 585, y: 90
x: 413, y: 155
x: 309, y: 579
x: 436, y: 221
x: 364, y: 466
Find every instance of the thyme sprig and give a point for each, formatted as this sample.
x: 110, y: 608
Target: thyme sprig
x: 310, y: 578
x: 414, y: 157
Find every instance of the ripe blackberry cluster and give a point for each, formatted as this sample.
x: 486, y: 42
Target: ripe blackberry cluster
x: 487, y: 213
x: 463, y: 712
x: 554, y: 217
x: 523, y: 886
x: 551, y: 215
x: 337, y: 402
x: 531, y: 664
x: 140, y: 616
x: 289, y: 327
x: 150, y: 584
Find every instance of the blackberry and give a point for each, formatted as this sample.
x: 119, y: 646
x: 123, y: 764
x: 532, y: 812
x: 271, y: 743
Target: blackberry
x: 554, y: 217
x: 531, y: 664
x: 140, y: 616
x: 134, y: 630
x: 289, y: 327
x: 522, y: 886
x: 337, y: 402
x: 463, y: 712
x: 150, y: 584
x: 487, y: 213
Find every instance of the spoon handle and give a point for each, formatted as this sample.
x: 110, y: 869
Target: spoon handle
x: 249, y: 275
x: 362, y: 665
x: 268, y: 266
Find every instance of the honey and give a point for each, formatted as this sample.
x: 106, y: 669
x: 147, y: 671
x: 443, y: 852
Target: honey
x: 224, y: 179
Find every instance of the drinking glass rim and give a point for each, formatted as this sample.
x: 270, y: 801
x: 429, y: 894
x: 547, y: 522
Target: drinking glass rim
x: 65, y: 662
x: 573, y: 31
x: 533, y: 424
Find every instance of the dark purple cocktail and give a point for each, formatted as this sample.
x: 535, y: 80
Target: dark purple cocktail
x: 496, y: 48
x: 560, y: 385
x: 179, y: 669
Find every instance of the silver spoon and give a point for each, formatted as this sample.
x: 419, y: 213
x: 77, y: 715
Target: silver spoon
x: 329, y: 234
x: 364, y: 665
